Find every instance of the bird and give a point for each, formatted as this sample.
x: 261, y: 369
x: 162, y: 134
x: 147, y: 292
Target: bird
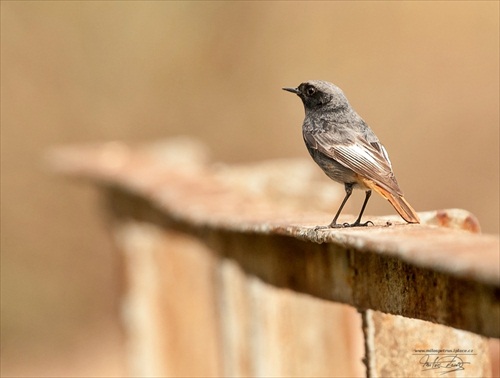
x: 347, y: 150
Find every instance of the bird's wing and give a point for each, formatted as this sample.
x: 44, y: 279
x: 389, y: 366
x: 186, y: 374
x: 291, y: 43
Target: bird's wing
x: 368, y: 160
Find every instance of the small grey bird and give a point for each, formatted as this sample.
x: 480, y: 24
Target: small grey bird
x: 346, y: 149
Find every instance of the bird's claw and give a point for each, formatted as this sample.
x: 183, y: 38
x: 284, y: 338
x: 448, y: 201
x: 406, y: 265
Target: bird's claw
x: 359, y: 224
x: 345, y: 225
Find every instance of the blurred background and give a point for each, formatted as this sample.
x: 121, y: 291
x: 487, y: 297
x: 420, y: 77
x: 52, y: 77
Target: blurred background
x: 424, y: 75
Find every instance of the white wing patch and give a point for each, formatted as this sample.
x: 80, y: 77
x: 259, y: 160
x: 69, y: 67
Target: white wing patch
x: 361, y: 159
x: 369, y: 160
x: 386, y: 155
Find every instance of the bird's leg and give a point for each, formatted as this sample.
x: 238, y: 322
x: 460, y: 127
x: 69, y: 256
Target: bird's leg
x: 348, y: 192
x: 358, y: 221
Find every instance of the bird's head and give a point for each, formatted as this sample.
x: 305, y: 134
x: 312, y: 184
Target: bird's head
x: 317, y: 94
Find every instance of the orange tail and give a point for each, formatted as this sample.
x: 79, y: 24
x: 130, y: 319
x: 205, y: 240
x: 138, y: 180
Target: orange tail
x: 398, y: 202
x: 403, y: 208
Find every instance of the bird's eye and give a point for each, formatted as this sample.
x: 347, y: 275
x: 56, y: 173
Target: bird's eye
x: 310, y: 91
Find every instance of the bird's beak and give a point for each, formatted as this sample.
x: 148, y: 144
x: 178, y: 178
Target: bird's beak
x: 293, y: 90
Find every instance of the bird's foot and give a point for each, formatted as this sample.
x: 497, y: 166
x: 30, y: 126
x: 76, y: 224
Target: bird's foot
x: 359, y: 224
x: 344, y: 225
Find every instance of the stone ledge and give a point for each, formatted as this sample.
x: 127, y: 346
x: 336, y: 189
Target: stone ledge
x: 441, y: 270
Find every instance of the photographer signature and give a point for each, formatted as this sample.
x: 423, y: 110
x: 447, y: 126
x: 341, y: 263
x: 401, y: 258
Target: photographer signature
x: 447, y: 363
